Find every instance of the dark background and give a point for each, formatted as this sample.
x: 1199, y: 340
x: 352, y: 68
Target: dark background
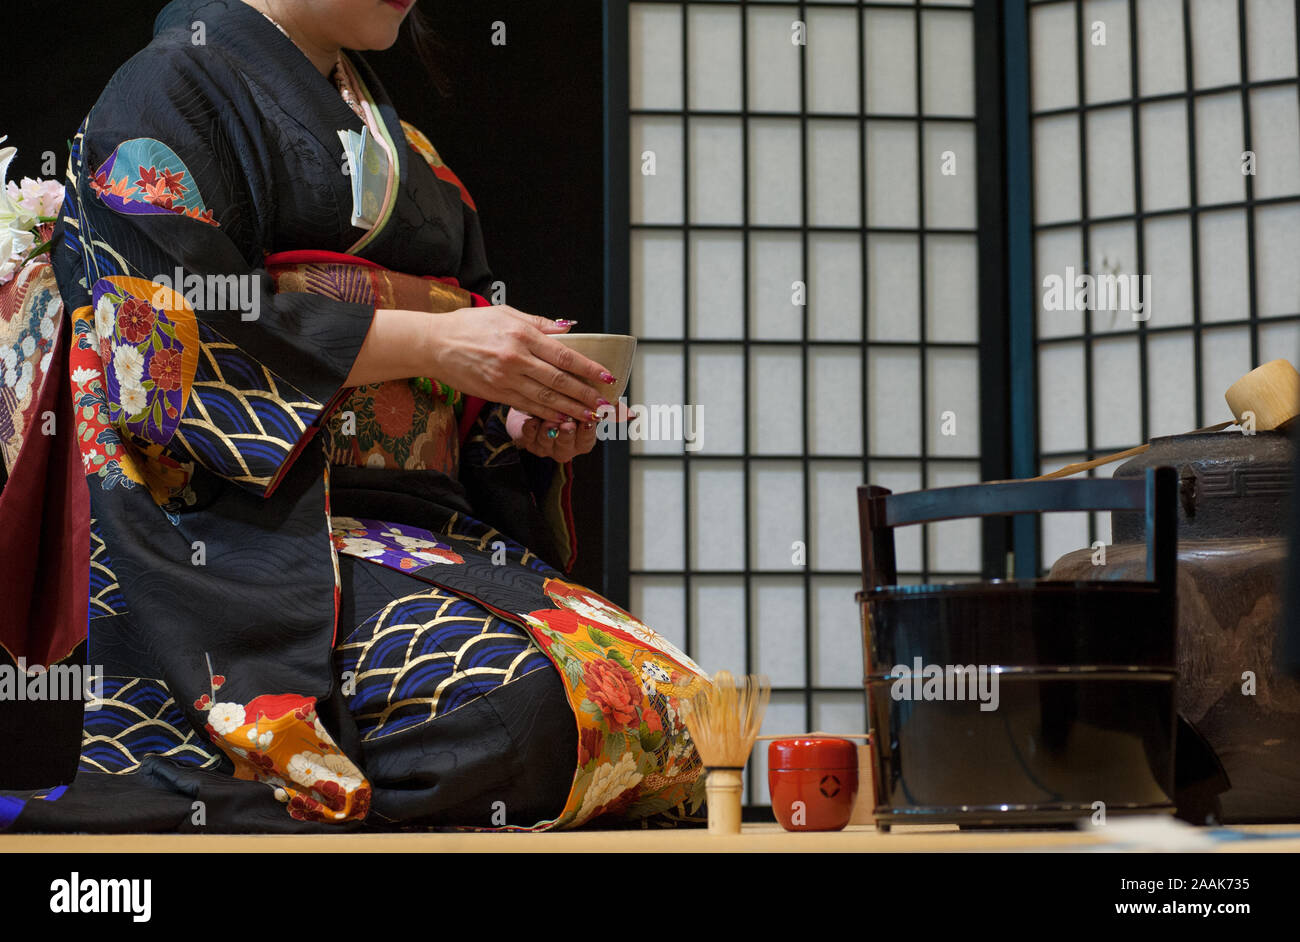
x: 523, y: 129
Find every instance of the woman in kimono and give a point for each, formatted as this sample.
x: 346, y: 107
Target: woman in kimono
x: 324, y: 471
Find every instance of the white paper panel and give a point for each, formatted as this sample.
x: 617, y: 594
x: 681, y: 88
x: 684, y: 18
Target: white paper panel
x: 893, y: 283
x: 786, y: 716
x: 890, y: 47
x: 656, y: 283
x: 778, y: 622
x: 1277, y: 249
x: 776, y: 514
x: 832, y: 60
x: 949, y: 197
x: 775, y: 264
x: 835, y: 401
x: 1224, y: 289
x: 1056, y: 169
x: 1110, y: 162
x: 1055, y: 251
x: 1101, y: 520
x: 1062, y: 533
x: 835, y: 286
x: 1106, y: 50
x: 837, y: 640
x: 842, y: 713
x: 773, y: 59
x: 1219, y: 144
x: 953, y: 385
x: 717, y: 284
x: 718, y: 387
x: 1225, y: 358
x: 951, y: 288
x: 1215, y: 53
x: 832, y: 494
x: 954, y: 544
x: 775, y: 397
x: 1171, y: 383
x: 1169, y: 263
x: 657, y: 537
x: 1275, y: 138
x: 834, y: 179
x: 1114, y: 252
x: 1270, y: 39
x: 657, y: 198
x: 948, y: 57
x: 1053, y: 50
x: 655, y: 55
x: 901, y: 477
x: 1164, y: 144
x: 718, y: 617
x: 657, y: 377
x: 717, y: 171
x: 1279, y: 341
x: 891, y: 173
x: 894, y: 401
x: 717, y: 515
x: 775, y: 159
x: 1060, y: 412
x: 1116, y: 393
x: 660, y: 602
x: 713, y: 38
x: 1161, y: 65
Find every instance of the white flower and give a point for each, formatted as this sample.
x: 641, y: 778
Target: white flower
x: 88, y: 459
x: 105, y: 318
x: 133, y: 398
x: 10, y: 358
x: 347, y: 523
x: 22, y: 388
x: 364, y: 548
x: 128, y: 364
x: 47, y: 326
x: 45, y: 362
x: 608, y: 782
x: 81, y: 375
x: 29, y: 345
x: 52, y: 309
x: 306, y: 768
x: 226, y: 717
x: 12, y: 214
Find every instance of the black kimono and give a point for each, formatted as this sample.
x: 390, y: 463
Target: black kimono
x: 298, y: 616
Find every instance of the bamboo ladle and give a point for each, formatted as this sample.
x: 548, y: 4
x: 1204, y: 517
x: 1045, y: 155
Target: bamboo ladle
x: 1270, y: 392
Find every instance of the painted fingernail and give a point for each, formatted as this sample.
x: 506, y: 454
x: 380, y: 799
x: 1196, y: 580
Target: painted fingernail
x: 552, y: 433
x: 602, y: 402
x: 607, y: 377
x: 566, y: 323
x: 592, y: 417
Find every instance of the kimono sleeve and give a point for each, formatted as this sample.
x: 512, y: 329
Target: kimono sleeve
x: 174, y: 193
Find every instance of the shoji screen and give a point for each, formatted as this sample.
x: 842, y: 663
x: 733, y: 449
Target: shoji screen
x: 803, y: 257
x: 1145, y: 115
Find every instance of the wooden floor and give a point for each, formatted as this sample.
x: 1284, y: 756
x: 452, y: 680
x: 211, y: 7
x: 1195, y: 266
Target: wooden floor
x: 756, y: 838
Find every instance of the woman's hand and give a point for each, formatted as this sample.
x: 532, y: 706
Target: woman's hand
x: 504, y: 355
x: 562, y: 441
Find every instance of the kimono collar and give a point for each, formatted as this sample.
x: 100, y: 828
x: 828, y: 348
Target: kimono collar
x: 256, y: 44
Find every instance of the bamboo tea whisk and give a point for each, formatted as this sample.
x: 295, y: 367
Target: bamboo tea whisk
x: 724, y: 718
